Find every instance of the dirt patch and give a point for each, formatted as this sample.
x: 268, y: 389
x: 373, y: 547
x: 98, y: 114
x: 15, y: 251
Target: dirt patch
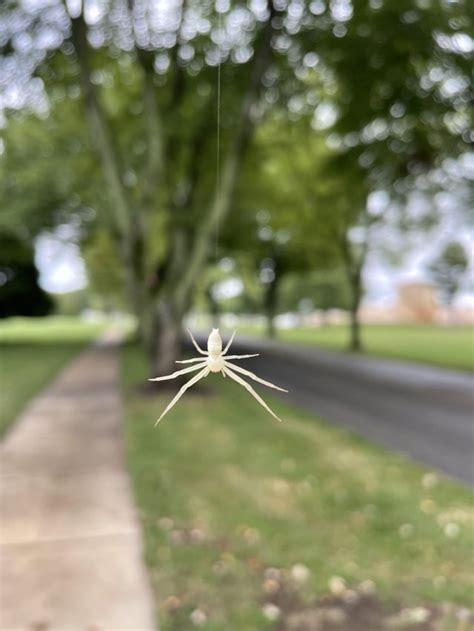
x: 355, y: 611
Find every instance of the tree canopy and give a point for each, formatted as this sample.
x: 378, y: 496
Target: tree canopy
x: 448, y: 270
x: 20, y: 293
x: 110, y: 119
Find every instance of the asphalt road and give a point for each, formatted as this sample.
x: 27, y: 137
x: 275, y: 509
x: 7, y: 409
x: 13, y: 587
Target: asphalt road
x: 425, y: 413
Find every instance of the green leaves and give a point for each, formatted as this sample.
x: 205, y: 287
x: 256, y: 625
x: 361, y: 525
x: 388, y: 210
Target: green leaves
x: 449, y: 268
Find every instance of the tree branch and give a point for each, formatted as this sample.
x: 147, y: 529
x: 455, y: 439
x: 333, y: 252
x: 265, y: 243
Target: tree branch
x: 178, y: 86
x: 223, y: 198
x: 153, y: 125
x: 99, y: 127
x: 127, y: 221
x: 154, y: 129
x: 177, y: 90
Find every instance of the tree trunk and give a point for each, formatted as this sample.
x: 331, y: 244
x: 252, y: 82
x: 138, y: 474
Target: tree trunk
x: 127, y: 218
x: 355, y: 342
x: 184, y: 271
x: 163, y: 342
x: 271, y: 329
x: 160, y: 328
x: 271, y: 303
x: 451, y: 319
x: 354, y: 264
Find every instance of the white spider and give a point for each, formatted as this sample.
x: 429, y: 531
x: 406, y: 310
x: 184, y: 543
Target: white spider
x: 216, y: 361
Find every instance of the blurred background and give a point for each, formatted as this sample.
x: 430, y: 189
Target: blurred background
x: 340, y: 220
x: 345, y: 162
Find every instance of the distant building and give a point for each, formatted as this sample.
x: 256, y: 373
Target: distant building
x: 416, y: 302
x: 371, y: 313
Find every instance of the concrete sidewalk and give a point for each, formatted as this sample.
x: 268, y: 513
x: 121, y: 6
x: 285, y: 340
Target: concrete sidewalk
x: 70, y: 542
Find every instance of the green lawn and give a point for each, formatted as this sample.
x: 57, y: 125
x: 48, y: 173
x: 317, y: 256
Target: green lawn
x: 32, y: 351
x: 225, y: 494
x: 444, y: 346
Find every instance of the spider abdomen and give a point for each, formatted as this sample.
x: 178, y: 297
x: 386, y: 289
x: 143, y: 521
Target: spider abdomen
x: 214, y: 343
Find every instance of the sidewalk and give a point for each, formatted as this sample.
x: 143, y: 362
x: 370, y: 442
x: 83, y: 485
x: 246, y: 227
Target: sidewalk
x: 70, y: 542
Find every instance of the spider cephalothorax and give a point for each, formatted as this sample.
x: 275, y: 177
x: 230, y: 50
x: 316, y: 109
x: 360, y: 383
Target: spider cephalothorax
x: 216, y: 360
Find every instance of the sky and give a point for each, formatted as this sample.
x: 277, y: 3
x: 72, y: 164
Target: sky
x: 381, y: 279
x: 60, y: 264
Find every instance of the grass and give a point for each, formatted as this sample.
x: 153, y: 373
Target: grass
x: 441, y: 346
x: 32, y: 351
x: 224, y: 493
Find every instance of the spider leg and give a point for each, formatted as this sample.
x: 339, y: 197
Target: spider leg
x: 243, y: 371
x: 241, y: 356
x: 198, y: 348
x: 189, y: 361
x: 179, y: 372
x: 229, y: 343
x: 182, y: 390
x: 248, y: 387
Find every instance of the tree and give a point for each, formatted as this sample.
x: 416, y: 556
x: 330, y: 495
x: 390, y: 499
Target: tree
x: 277, y: 222
x: 330, y: 190
x: 321, y: 290
x: 448, y: 269
x: 161, y: 310
x: 21, y: 294
x: 124, y: 128
x: 105, y: 273
x: 159, y: 202
x: 393, y: 123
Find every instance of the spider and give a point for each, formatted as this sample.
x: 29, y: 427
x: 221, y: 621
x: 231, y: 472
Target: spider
x: 217, y: 360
